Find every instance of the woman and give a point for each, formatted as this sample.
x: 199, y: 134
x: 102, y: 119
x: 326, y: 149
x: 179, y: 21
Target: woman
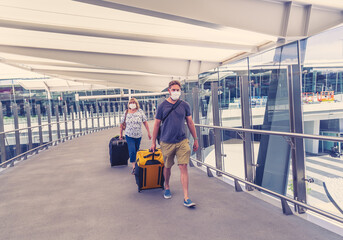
x: 133, y: 118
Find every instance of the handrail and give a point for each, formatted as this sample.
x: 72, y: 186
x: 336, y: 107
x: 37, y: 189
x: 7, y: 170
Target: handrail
x: 324, y: 213
x: 46, y: 144
x: 265, y: 132
x: 47, y: 124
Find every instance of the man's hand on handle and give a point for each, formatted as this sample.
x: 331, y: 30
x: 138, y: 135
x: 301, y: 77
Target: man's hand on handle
x: 153, y: 147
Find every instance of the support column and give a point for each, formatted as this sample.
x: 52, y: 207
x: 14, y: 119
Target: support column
x: 97, y: 113
x: 16, y: 126
x: 57, y: 113
x: 109, y: 114
x: 312, y: 127
x: 103, y: 114
x: 40, y: 130
x: 2, y: 136
x: 80, y: 115
x: 196, y: 116
x: 65, y: 111
x: 73, y: 119
x: 247, y: 137
x: 29, y: 130
x: 48, y: 110
x: 86, y: 118
x: 92, y: 116
x: 296, y: 120
x: 217, y: 132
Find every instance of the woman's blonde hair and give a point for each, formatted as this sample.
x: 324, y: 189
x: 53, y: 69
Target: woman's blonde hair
x: 134, y: 99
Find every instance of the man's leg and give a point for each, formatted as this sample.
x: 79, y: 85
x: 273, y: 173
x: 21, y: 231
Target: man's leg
x: 168, y: 151
x: 166, y: 173
x: 183, y: 153
x: 184, y: 179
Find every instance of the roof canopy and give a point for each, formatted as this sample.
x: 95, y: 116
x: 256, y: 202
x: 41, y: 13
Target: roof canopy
x: 145, y: 44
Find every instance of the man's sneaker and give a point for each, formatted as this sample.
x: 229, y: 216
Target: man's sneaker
x: 188, y: 203
x: 167, y: 194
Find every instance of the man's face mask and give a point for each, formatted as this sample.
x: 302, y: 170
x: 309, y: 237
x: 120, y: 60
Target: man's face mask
x: 175, y: 95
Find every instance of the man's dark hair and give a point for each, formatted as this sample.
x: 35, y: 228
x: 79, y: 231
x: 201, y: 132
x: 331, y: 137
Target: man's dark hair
x: 174, y: 82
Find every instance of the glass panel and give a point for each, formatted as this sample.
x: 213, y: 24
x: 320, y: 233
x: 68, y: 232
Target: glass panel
x: 270, y: 111
x: 231, y: 115
x: 205, y: 115
x: 322, y: 114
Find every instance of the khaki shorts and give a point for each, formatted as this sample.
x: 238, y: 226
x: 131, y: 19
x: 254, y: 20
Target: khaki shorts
x: 181, y: 150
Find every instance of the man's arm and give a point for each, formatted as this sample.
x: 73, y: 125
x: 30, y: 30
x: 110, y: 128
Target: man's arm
x: 191, y: 127
x: 154, y: 133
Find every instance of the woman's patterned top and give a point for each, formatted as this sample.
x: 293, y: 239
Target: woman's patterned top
x: 134, y: 123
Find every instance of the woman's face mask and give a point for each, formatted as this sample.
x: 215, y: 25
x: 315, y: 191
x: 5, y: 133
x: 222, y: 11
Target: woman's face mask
x: 132, y: 105
x: 175, y: 95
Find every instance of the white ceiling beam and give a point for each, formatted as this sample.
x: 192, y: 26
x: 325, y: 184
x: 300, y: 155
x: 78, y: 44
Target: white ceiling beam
x: 155, y: 65
x: 135, y: 81
x: 252, y: 15
x: 286, y: 15
x: 122, y: 35
x: 144, y: 87
x: 308, y: 10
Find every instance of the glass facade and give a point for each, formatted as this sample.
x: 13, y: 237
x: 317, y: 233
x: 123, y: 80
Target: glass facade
x: 295, y: 88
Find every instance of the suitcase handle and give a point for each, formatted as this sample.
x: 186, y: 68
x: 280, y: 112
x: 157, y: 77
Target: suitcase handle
x: 153, y: 155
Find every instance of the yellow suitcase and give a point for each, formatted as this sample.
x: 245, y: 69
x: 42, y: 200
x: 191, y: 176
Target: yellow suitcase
x: 149, y: 169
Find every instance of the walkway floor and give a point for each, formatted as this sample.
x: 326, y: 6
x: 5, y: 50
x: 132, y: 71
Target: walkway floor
x: 71, y: 192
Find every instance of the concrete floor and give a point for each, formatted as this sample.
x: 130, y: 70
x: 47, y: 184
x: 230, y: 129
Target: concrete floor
x: 71, y: 192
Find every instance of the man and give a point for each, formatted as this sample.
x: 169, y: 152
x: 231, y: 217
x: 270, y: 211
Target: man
x: 173, y: 112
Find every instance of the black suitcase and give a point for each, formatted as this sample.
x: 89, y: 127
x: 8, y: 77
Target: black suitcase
x: 119, y: 153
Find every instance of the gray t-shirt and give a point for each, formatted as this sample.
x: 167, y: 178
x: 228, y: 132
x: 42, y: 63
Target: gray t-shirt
x: 173, y: 128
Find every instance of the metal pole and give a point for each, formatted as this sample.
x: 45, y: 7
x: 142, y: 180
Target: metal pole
x: 97, y: 113
x: 16, y: 126
x: 48, y: 110
x: 196, y: 115
x: 2, y: 136
x: 247, y: 137
x: 86, y: 117
x: 40, y: 130
x: 298, y: 151
x: 80, y: 115
x: 92, y: 116
x: 29, y: 130
x: 103, y: 114
x: 73, y: 118
x: 109, y: 114
x: 65, y: 112
x: 57, y: 122
x: 217, y: 132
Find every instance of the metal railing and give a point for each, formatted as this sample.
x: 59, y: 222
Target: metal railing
x: 65, y: 121
x: 50, y: 143
x: 289, y: 137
